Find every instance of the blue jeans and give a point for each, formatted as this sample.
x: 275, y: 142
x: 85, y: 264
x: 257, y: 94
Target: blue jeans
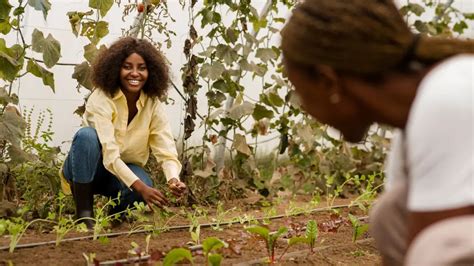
x: 84, y: 165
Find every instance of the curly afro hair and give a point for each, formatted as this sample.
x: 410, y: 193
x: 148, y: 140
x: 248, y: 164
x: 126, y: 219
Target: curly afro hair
x: 107, y: 65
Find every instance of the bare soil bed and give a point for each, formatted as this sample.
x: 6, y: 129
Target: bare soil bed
x: 334, y: 244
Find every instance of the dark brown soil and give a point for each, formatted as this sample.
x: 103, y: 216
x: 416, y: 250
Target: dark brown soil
x: 334, y: 247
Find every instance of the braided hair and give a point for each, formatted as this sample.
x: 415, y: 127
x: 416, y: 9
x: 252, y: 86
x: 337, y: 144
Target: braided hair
x: 364, y: 37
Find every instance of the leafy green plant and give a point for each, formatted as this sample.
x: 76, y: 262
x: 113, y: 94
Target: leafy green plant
x: 368, y: 193
x: 220, y: 216
x: 311, y: 234
x: 176, y: 255
x: 246, y: 218
x: 37, y: 179
x: 210, y: 245
x: 14, y: 64
x: 270, y: 238
x: 195, y: 234
x: 268, y: 212
x: 358, y: 228
x: 16, y: 228
x: 90, y: 258
x: 65, y: 224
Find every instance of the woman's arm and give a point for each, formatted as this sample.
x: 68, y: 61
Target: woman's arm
x: 420, y: 220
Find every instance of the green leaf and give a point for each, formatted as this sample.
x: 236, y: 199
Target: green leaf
x: 102, y: 5
x: 5, y: 27
x: 227, y: 86
x: 259, y: 230
x: 5, y: 8
x: 8, y: 61
x: 275, y: 99
x: 359, y: 231
x: 311, y: 231
x: 266, y: 54
x: 425, y: 27
x: 12, y: 126
x: 213, y: 71
x: 40, y: 72
x: 95, y: 31
x: 297, y: 240
x: 258, y: 23
x: 102, y: 29
x: 3, y: 227
x: 91, y: 51
x: 261, y: 70
x: 460, y: 27
x: 50, y: 47
x: 212, y: 243
x: 176, y: 255
x: 250, y: 38
x: 280, y: 20
x: 82, y: 73
x: 469, y: 16
x: 226, y: 53
x: 413, y: 8
x: 246, y: 66
x: 4, y: 96
x: 18, y: 11
x: 215, y: 98
x: 358, y: 228
x: 104, y: 240
x: 240, y: 144
x: 214, y: 259
x: 261, y: 112
x: 41, y: 5
x: 232, y: 35
x: 282, y: 230
x: 75, y: 19
x: 240, y: 110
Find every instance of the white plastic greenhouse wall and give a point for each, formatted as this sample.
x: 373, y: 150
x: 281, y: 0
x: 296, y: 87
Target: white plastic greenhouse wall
x: 65, y: 100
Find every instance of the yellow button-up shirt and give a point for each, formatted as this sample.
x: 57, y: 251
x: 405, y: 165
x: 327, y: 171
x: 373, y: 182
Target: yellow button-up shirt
x: 122, y: 143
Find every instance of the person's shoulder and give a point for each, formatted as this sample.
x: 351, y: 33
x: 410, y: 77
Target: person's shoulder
x: 99, y: 99
x: 444, y: 97
x: 99, y: 95
x: 456, y: 69
x: 450, y: 79
x: 155, y: 102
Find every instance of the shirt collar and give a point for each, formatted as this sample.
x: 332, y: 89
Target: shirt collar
x: 118, y: 94
x: 141, y: 99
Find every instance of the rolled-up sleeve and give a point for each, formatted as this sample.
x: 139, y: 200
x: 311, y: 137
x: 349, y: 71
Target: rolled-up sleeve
x: 99, y: 114
x: 163, y: 145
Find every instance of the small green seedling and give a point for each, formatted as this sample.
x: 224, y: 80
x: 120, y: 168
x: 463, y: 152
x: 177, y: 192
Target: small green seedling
x: 16, y: 227
x: 309, y: 238
x: 358, y: 228
x: 269, y: 237
x: 209, y: 245
x: 196, y: 234
x: 311, y: 233
x: 176, y: 255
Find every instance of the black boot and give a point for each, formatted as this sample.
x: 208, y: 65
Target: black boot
x: 84, y: 199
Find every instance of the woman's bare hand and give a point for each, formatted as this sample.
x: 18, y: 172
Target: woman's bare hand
x: 176, y: 187
x: 151, y: 196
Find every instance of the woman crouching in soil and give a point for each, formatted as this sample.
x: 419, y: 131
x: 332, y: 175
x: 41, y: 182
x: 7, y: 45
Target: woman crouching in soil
x: 122, y: 122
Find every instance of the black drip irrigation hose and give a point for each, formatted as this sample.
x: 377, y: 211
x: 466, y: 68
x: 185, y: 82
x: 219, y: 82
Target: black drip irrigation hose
x: 171, y: 228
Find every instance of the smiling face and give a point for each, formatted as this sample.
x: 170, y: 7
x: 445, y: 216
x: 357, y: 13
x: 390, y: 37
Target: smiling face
x: 316, y: 91
x: 133, y: 74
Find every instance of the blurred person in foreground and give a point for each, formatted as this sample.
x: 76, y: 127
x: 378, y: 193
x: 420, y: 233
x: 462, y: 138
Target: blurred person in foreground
x: 123, y: 120
x: 355, y: 63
